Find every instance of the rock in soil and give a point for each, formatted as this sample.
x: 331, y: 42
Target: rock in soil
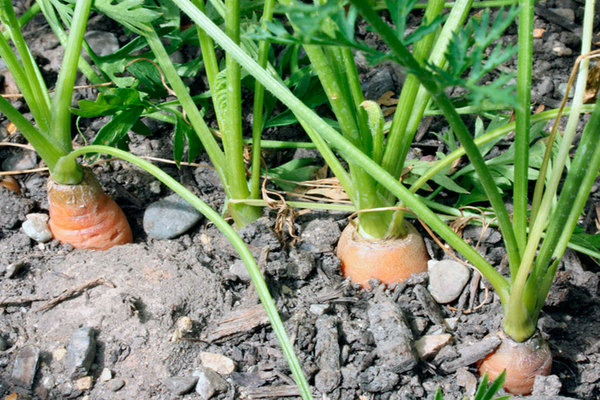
x: 36, y: 227
x: 217, y: 362
x: 81, y: 352
x: 209, y: 383
x: 327, y: 353
x: 429, y: 345
x: 169, y: 217
x: 25, y: 366
x: 320, y: 235
x: 447, y: 279
x: 378, y: 380
x: 180, y: 384
x: 393, y: 337
x: 20, y: 161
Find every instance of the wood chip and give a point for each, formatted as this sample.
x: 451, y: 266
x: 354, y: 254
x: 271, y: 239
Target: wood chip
x: 270, y: 392
x: 239, y: 321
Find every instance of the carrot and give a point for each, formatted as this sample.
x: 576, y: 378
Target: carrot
x: 523, y: 361
x: 389, y: 260
x: 85, y: 217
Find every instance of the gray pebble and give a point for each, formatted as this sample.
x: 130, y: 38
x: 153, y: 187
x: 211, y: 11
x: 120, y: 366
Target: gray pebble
x: 301, y: 264
x: 377, y: 380
x: 21, y: 160
x: 102, y: 43
x: 320, y: 235
x: 378, y: 84
x: 546, y: 385
x: 447, y: 279
x: 180, y: 384
x: 36, y: 227
x: 114, y: 385
x: 393, y: 337
x: 209, y: 383
x: 566, y: 13
x: 169, y: 217
x: 238, y: 268
x: 25, y: 366
x: 81, y: 352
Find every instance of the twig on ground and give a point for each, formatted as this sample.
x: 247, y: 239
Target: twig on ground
x: 75, y: 292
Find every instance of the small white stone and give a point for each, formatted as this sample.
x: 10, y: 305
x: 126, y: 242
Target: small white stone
x: 217, y: 362
x: 447, y: 279
x: 106, y: 375
x: 36, y: 227
x: 428, y: 345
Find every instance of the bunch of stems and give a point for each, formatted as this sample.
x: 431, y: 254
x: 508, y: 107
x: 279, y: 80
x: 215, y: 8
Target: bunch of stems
x: 522, y: 295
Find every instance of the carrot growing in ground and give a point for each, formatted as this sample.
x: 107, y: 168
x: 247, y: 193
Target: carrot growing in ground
x: 81, y: 214
x: 380, y: 243
x: 533, y: 263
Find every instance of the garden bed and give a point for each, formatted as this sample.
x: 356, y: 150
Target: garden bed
x: 350, y: 342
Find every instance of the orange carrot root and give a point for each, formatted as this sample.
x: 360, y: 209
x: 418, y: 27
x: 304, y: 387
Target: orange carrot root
x: 85, y: 217
x: 390, y: 261
x: 522, y: 362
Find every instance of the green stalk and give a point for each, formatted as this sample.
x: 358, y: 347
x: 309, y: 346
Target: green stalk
x: 520, y: 319
x: 257, y: 107
x: 350, y: 151
x: 399, y: 138
x: 211, y: 66
x: 204, y: 134
x: 233, y: 144
x: 27, y: 75
x: 580, y: 87
x: 456, y: 123
x: 522, y: 117
x: 60, y: 128
x: 44, y: 146
x: 526, y: 299
x: 25, y: 17
x: 371, y: 225
x: 235, y: 240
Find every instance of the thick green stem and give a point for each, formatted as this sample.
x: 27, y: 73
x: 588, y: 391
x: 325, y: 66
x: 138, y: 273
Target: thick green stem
x: 235, y: 240
x: 60, y: 128
x: 458, y: 126
x: 349, y: 150
x: 233, y: 144
x: 523, y: 301
x: 526, y: 298
x: 399, y: 138
x: 522, y: 117
x: 257, y: 107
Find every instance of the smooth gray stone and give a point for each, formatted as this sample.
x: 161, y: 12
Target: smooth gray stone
x: 25, y: 366
x: 209, y: 383
x: 447, y: 279
x: 169, y: 217
x: 102, y: 43
x: 180, y: 384
x: 81, y: 352
x: 19, y: 161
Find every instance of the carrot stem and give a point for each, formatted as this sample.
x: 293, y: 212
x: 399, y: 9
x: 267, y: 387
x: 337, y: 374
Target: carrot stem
x: 60, y: 128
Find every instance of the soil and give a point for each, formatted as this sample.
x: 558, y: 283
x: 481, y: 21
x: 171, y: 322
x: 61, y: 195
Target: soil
x: 352, y: 343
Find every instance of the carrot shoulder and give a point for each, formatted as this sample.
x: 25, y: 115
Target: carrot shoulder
x: 85, y: 217
x: 390, y: 261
